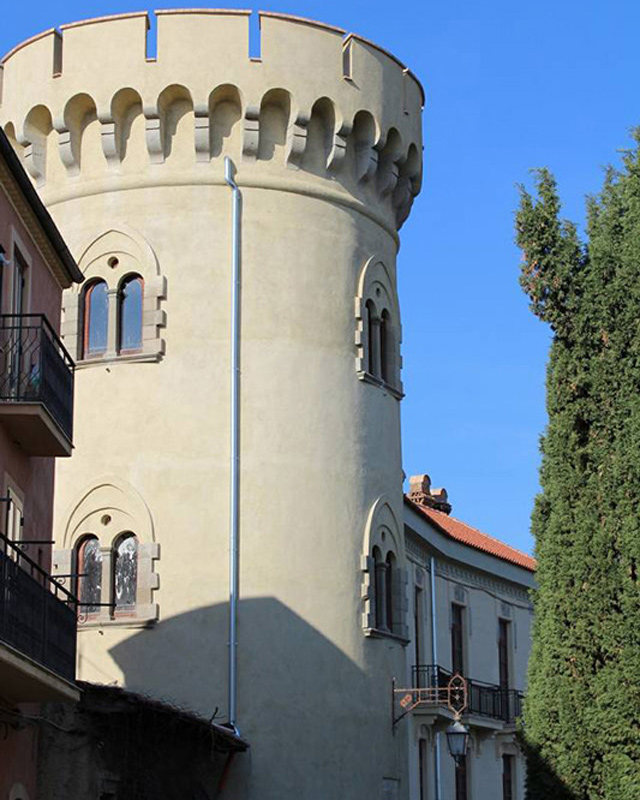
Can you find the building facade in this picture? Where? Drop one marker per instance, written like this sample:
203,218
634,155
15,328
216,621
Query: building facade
471,614
37,615
323,130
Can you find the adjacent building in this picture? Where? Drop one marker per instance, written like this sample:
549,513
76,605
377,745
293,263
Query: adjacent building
37,614
470,613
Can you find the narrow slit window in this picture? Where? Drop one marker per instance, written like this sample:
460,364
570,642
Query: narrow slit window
457,639
385,349
371,346
96,319
125,573
380,591
89,580
130,315
389,588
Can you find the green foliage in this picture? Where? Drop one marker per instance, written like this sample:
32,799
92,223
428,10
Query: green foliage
582,714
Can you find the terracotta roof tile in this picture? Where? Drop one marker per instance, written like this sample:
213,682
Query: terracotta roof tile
464,533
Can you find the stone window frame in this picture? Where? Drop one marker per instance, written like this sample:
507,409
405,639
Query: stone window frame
382,535
114,256
376,304
108,509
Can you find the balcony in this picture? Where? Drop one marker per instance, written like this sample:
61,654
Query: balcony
37,629
36,385
486,700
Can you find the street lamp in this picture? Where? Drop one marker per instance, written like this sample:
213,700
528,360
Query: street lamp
457,740
453,694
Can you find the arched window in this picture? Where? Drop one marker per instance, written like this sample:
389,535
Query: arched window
385,347
389,589
380,589
384,583
89,569
125,572
130,314
95,319
378,333
372,338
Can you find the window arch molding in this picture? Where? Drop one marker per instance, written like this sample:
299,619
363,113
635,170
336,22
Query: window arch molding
384,574
378,331
111,509
114,256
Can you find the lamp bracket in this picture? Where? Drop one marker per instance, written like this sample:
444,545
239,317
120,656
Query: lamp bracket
452,695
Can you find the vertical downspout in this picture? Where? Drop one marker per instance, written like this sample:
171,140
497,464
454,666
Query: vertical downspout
434,654
234,503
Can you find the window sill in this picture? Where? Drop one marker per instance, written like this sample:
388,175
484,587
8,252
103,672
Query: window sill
367,377
116,623
378,633
127,358
146,617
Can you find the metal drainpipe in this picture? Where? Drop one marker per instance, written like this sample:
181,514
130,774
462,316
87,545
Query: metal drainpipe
234,498
434,653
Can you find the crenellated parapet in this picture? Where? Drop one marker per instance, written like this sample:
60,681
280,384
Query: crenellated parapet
319,111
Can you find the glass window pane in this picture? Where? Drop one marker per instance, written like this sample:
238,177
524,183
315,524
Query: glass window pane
90,568
131,315
126,572
96,319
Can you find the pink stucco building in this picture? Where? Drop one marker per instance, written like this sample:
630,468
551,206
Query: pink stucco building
37,615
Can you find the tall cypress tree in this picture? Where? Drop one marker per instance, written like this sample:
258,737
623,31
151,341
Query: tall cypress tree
582,713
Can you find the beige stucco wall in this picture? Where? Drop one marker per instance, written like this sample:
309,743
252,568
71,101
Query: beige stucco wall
321,196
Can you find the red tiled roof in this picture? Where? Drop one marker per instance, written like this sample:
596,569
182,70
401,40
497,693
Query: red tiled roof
464,533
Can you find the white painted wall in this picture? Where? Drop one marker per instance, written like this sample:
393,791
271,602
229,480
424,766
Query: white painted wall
490,587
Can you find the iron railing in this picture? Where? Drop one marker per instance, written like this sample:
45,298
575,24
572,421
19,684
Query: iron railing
484,699
35,366
38,616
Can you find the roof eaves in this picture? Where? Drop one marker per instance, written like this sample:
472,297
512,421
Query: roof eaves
508,553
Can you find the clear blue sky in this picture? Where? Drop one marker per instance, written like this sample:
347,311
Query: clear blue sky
509,86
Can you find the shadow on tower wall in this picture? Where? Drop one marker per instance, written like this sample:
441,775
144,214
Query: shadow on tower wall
303,705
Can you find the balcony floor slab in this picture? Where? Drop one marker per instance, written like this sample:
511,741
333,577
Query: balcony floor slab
34,429
23,680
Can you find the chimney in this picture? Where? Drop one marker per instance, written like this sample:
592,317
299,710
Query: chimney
421,493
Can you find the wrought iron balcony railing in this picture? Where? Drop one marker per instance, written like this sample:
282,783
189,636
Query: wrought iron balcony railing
37,615
35,367
484,699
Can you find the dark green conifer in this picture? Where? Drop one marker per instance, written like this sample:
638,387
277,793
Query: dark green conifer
582,713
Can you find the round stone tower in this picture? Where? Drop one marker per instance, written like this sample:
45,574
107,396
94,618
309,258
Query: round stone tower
128,154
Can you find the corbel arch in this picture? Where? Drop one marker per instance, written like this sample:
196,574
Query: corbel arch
275,113
224,117
36,131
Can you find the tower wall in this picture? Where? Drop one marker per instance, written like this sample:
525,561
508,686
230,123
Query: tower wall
128,155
